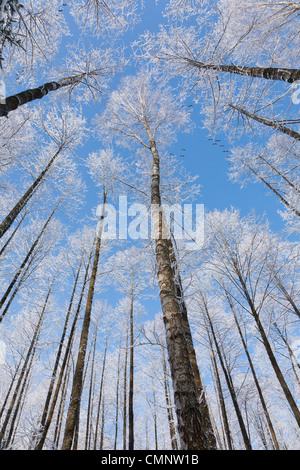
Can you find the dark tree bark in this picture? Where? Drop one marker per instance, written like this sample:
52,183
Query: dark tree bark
13,381
268,73
91,396
189,416
5,440
255,378
275,125
294,408
26,260
10,218
63,368
293,405
76,393
131,376
222,402
101,393
207,424
229,383
125,396
171,422
117,400
282,199
62,402
58,357
2,251
14,101
293,359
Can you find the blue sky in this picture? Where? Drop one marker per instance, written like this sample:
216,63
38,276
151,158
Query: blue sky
201,157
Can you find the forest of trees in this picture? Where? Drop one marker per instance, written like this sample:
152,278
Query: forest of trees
112,338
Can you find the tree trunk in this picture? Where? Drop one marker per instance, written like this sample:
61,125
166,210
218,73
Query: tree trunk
125,397
58,356
155,419
222,402
229,385
277,370
62,403
13,102
288,296
268,73
50,414
26,260
76,393
285,202
291,353
13,380
275,125
2,251
9,219
275,365
117,400
189,416
102,426
169,404
13,427
278,173
90,400
23,371
207,424
131,361
100,395
17,287
261,397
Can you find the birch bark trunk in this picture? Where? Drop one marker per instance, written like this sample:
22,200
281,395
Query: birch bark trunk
189,416
229,383
10,218
131,373
31,350
39,445
293,405
268,73
78,375
275,125
13,102
259,390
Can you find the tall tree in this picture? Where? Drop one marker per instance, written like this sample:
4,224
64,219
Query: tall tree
149,115
66,128
240,251
105,177
276,165
61,379
131,277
